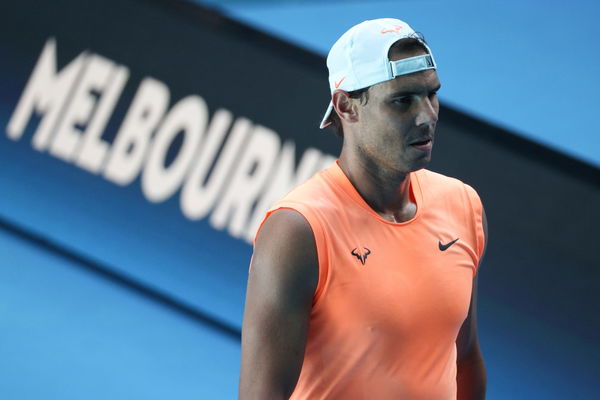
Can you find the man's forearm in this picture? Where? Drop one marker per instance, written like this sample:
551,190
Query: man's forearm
471,377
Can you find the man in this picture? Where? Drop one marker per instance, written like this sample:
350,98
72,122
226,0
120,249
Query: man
363,280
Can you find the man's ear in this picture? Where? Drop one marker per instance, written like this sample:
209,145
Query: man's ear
344,106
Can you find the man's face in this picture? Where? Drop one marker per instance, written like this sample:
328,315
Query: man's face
396,125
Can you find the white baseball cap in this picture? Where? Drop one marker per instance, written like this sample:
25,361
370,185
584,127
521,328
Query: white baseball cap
359,58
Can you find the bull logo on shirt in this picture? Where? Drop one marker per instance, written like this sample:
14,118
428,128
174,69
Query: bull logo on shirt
361,254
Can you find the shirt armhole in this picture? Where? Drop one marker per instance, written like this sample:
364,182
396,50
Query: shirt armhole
477,217
318,234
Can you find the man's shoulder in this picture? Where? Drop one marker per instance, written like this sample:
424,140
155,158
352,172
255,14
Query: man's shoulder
435,177
313,191
440,184
429,177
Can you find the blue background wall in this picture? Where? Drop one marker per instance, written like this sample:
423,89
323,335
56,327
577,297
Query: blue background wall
530,66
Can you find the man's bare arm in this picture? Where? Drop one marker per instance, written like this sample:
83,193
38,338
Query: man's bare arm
471,375
282,280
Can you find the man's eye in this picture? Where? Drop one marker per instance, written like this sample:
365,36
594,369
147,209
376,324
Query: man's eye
403,100
432,94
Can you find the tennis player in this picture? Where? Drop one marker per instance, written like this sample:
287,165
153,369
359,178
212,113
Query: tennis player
363,280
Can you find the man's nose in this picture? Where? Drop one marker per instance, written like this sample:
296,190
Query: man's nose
427,114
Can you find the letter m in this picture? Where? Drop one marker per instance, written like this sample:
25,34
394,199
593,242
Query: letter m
46,93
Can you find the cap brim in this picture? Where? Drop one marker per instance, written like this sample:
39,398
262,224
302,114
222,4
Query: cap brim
326,122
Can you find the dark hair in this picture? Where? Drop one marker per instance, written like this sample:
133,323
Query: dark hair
412,43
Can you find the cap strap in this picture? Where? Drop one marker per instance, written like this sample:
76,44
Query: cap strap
412,64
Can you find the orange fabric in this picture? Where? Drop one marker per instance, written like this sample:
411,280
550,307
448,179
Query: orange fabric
389,302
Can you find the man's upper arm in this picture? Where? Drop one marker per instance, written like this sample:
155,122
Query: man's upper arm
467,337
282,280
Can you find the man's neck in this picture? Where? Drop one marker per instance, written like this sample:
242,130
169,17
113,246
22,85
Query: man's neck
386,192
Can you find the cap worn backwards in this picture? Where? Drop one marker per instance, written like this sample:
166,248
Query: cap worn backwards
359,58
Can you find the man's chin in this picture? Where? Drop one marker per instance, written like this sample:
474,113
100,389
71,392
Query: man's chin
421,163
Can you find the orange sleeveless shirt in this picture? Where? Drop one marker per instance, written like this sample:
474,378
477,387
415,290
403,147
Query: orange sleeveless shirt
391,297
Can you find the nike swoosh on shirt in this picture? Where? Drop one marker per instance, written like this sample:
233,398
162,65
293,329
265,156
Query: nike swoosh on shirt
444,247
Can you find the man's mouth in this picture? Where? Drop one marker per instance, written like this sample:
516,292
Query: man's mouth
424,144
